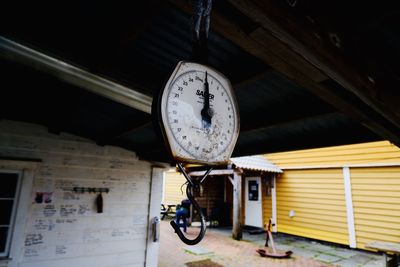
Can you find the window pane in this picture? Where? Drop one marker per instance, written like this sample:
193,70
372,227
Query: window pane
8,184
253,190
3,238
5,211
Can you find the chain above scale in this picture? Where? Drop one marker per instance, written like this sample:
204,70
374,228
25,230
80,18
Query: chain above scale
200,28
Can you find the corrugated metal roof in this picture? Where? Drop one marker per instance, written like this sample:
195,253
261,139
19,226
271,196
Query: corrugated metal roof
257,163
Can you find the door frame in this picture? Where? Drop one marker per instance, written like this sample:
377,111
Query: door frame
260,199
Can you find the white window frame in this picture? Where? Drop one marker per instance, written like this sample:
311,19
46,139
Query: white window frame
27,170
6,252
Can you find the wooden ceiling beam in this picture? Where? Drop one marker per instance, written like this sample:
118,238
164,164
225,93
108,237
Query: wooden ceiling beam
267,14
294,64
252,79
272,55
264,124
289,123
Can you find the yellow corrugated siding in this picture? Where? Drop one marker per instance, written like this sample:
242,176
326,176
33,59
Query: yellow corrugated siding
376,203
173,182
267,206
317,198
374,152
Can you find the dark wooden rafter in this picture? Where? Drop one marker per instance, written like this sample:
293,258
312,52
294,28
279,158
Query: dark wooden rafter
130,129
265,44
277,26
282,124
284,112
251,80
120,32
234,32
126,129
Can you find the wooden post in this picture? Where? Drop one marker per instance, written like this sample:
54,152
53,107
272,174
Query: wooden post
237,206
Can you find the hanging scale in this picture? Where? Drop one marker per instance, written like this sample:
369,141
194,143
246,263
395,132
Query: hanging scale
198,113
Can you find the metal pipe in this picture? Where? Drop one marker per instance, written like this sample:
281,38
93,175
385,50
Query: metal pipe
131,97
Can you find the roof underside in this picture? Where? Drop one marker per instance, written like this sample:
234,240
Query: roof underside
255,163
285,102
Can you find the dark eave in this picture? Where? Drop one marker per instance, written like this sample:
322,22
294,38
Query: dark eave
95,75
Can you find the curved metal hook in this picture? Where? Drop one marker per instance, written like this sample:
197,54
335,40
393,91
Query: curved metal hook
203,227
189,192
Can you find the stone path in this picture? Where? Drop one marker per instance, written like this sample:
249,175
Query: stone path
219,248
323,252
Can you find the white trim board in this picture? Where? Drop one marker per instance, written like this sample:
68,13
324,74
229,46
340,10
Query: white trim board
339,166
27,170
273,195
15,200
349,207
154,212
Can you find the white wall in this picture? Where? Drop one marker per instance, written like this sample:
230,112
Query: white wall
68,231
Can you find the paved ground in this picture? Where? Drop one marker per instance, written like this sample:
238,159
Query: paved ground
219,248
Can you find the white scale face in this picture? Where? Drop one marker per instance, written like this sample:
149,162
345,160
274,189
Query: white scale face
199,131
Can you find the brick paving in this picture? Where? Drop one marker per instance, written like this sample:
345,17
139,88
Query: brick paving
225,251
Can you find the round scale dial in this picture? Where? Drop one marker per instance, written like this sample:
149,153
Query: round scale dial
199,115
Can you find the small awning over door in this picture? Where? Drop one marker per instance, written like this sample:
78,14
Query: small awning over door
256,163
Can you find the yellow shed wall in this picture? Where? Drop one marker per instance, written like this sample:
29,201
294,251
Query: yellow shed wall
381,152
172,184
266,204
312,186
316,194
376,204
317,198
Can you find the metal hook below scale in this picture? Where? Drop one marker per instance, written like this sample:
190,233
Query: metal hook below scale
189,192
